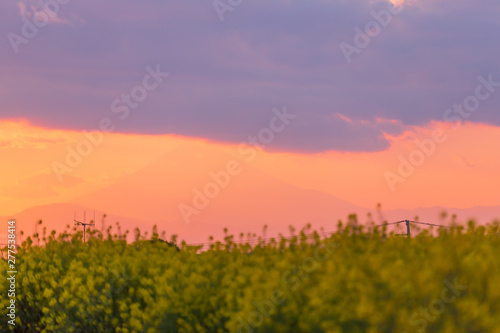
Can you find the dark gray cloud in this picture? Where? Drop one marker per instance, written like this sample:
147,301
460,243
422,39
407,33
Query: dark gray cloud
226,77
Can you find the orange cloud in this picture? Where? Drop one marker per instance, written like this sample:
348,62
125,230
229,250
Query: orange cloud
14,134
461,171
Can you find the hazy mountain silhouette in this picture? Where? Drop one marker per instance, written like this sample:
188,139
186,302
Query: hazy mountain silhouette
252,199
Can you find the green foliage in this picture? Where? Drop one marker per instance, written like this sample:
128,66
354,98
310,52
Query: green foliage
352,281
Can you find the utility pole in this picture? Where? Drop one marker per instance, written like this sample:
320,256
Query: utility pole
407,228
84,224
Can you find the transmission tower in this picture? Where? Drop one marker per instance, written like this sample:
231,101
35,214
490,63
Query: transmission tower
84,223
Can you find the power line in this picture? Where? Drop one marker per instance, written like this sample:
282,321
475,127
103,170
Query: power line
265,240
384,224
433,225
323,233
279,239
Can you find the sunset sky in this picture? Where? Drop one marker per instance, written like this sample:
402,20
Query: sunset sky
364,100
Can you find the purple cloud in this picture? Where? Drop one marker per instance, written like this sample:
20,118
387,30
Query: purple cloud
226,77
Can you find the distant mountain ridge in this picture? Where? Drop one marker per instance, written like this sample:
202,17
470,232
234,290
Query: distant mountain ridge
57,216
250,200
